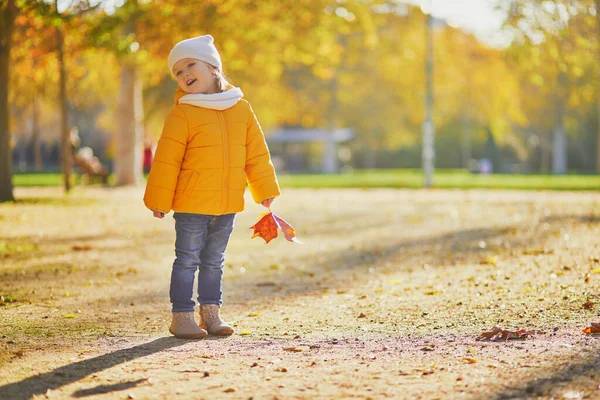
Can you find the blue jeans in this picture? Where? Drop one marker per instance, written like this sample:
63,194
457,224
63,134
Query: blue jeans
200,242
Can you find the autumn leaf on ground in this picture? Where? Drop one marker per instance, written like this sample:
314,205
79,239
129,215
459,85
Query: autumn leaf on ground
588,305
498,333
81,247
293,349
267,227
593,329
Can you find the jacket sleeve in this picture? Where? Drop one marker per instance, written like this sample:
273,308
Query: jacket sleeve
160,188
260,173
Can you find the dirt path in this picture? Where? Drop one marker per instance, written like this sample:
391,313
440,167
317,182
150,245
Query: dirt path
385,299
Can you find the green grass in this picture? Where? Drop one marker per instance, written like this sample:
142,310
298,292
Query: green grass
47,180
28,180
443,179
399,178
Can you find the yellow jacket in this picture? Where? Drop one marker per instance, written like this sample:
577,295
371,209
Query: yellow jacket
204,159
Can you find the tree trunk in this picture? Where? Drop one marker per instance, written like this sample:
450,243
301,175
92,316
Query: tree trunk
466,147
8,12
37,148
428,128
66,156
598,83
370,159
559,144
128,160
545,161
130,116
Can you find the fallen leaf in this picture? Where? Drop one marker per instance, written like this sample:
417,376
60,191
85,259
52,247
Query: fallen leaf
245,332
229,390
266,284
498,333
362,315
81,247
594,328
267,227
19,353
469,360
70,315
254,314
595,270
294,349
588,305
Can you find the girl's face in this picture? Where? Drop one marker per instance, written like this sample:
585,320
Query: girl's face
194,76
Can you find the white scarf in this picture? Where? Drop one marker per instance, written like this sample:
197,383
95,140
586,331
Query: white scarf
215,101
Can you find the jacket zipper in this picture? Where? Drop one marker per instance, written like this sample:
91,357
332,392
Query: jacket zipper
225,140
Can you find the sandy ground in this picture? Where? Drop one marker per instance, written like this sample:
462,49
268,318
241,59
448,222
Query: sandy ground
385,299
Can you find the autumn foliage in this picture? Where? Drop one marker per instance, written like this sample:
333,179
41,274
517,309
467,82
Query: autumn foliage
268,225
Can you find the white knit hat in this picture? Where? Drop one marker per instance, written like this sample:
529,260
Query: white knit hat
201,48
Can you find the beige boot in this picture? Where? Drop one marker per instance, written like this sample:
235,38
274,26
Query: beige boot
211,320
184,326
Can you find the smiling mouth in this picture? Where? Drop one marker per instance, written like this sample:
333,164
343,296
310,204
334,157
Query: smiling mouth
190,82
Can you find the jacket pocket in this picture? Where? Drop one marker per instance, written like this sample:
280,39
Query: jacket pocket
191,183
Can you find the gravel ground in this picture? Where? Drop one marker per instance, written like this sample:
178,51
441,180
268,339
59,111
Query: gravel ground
386,298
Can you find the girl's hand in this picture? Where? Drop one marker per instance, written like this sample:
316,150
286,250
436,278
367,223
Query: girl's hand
267,203
158,214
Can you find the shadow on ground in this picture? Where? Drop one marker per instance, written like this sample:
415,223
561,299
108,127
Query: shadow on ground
578,376
62,376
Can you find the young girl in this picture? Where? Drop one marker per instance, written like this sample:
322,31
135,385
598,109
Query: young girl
211,146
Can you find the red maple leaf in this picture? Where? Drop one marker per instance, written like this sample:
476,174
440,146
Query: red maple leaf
268,225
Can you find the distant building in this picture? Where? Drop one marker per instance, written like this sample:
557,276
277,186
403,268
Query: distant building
307,150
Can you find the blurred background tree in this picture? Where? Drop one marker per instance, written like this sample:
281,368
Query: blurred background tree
554,54
531,105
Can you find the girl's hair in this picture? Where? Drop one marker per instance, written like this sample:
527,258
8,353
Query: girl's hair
220,78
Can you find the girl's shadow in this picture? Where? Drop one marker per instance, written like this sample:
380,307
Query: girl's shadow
58,377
